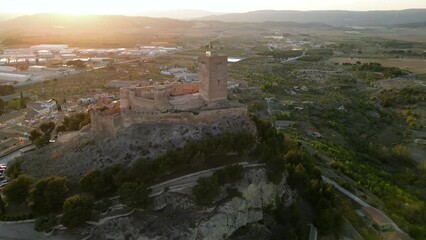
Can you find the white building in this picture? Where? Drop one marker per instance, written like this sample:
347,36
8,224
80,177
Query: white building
50,47
15,77
7,69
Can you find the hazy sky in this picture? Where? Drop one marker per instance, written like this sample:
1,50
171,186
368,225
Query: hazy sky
135,6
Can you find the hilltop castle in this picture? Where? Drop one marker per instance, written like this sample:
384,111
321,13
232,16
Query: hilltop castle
198,103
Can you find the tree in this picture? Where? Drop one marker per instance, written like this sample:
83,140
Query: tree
45,224
48,194
47,127
77,210
17,191
93,182
13,170
206,190
22,100
2,207
135,195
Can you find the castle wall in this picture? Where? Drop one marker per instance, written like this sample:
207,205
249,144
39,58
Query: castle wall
105,125
130,117
183,89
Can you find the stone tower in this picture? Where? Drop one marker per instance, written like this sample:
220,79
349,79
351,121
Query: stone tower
212,76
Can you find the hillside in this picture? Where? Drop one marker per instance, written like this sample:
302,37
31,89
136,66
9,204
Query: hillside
337,18
411,25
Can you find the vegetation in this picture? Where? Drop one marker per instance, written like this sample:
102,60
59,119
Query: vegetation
48,195
17,191
74,122
46,223
77,210
207,188
41,136
6,90
388,72
135,195
2,206
13,170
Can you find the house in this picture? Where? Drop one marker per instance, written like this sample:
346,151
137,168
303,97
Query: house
40,108
86,100
377,219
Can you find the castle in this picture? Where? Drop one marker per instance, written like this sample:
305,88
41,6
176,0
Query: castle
197,103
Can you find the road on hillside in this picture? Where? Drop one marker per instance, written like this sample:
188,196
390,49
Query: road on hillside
360,202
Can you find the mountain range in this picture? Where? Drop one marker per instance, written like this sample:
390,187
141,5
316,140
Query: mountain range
335,18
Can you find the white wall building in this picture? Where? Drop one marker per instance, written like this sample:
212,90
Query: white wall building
50,47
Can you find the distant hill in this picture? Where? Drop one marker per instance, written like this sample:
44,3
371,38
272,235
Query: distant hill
179,14
89,23
411,25
336,18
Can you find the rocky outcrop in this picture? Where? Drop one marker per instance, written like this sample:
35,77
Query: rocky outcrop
84,153
179,218
257,192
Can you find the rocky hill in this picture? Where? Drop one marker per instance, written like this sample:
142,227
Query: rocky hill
84,152
189,221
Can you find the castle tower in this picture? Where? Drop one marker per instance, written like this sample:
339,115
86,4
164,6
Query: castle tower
212,76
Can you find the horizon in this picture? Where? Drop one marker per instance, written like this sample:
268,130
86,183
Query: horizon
127,7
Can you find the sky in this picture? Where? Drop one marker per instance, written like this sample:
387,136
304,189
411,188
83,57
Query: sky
140,6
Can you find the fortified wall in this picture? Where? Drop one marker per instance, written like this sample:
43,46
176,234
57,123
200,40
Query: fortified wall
198,103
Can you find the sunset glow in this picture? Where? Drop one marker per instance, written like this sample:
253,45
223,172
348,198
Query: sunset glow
135,6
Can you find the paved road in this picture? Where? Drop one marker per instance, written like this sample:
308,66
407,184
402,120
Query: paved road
14,154
190,180
360,202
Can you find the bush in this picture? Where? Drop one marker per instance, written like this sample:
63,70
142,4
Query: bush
14,170
45,224
206,190
48,194
229,174
93,182
2,207
17,191
135,195
77,210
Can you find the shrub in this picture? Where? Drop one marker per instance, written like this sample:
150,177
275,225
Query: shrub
45,224
206,190
77,210
135,195
48,194
17,191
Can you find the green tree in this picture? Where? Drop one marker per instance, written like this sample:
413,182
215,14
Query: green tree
135,195
48,194
17,191
77,210
206,190
22,100
93,182
47,127
45,224
2,207
13,170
